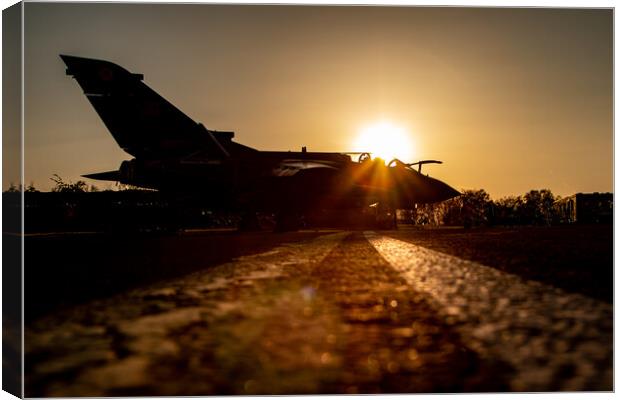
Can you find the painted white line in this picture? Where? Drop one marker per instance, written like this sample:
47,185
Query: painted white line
554,340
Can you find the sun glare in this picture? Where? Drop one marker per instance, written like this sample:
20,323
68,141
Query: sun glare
385,140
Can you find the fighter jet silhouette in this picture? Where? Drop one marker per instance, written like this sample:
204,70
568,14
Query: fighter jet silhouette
178,156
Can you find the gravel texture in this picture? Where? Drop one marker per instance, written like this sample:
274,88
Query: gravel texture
576,258
554,340
328,314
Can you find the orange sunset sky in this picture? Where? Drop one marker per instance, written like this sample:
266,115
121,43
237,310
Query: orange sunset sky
510,99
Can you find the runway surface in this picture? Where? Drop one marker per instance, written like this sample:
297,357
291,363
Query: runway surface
332,312
542,332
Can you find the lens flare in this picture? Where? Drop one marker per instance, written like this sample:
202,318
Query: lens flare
385,140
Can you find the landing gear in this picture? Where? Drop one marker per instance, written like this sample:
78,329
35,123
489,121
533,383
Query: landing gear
384,217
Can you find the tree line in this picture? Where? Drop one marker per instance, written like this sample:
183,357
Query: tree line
62,186
475,208
471,208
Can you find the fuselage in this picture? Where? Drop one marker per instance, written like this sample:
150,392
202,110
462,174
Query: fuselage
179,156
274,180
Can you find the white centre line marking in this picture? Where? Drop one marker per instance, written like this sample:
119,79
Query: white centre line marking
554,340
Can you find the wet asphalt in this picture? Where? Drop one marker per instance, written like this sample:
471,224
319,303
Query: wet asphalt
343,312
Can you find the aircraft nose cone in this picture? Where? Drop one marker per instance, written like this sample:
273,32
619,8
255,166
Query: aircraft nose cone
414,187
432,191
446,192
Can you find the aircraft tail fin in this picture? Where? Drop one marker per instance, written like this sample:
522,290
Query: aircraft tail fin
141,121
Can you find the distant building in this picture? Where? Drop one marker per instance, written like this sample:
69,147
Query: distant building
586,208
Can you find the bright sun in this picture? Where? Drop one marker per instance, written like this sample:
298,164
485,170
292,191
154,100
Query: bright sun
385,140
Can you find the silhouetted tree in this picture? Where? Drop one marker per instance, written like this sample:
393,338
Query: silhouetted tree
421,214
452,212
471,208
12,188
475,206
31,188
508,210
538,206
67,187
